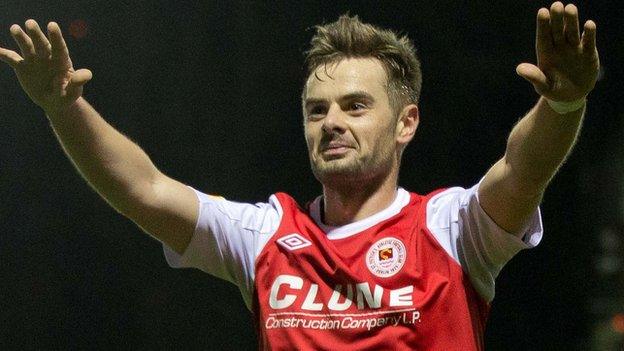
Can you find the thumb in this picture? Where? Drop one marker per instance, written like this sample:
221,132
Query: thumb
534,75
80,78
76,81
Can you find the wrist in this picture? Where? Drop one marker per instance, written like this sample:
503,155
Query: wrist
563,107
55,112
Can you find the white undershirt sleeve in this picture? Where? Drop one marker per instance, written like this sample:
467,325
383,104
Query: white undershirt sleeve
473,239
227,239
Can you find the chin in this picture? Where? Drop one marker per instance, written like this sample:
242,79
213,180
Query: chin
339,171
349,171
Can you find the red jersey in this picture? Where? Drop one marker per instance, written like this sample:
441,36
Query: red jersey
416,276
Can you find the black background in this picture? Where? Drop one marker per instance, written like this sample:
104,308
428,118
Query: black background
211,91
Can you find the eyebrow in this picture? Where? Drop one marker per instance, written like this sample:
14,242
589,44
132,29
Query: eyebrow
355,95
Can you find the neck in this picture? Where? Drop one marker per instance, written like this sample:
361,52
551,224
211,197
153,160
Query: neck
352,201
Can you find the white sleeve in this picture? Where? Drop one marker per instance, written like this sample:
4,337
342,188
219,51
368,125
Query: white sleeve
471,237
227,239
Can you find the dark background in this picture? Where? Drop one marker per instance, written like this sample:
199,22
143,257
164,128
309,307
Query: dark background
211,91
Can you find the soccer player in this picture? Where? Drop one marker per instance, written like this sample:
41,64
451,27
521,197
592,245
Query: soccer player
366,265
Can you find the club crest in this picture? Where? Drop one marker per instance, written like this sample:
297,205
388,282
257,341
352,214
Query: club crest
386,257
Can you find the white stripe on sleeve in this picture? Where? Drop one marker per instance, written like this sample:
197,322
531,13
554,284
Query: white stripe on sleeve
471,237
228,237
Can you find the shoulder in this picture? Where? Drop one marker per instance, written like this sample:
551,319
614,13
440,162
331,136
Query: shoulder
438,204
261,217
441,203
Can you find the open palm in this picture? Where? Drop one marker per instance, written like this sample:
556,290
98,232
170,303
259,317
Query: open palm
567,63
44,68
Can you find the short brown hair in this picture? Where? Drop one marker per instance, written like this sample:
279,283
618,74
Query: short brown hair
348,37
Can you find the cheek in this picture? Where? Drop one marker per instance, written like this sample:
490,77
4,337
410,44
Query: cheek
382,138
309,134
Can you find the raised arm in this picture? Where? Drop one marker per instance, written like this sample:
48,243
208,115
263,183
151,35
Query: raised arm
566,71
112,164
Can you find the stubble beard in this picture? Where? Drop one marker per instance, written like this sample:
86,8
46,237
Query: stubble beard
352,171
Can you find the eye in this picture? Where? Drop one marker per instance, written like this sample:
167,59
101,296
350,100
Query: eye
357,106
317,111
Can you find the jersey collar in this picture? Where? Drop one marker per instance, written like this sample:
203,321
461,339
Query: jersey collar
402,198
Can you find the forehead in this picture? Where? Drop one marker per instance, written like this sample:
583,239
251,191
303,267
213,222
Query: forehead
347,75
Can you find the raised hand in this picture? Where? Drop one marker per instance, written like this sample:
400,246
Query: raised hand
567,63
44,68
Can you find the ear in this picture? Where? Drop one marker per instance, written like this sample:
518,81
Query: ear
407,124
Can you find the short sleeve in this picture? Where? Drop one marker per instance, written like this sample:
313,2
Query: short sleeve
461,226
228,236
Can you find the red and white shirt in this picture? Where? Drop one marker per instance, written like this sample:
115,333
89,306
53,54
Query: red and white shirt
418,275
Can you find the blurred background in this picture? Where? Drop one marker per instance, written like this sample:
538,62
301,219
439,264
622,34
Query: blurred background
211,91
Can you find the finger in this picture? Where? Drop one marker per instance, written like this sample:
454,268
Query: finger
77,81
572,25
41,43
556,23
534,75
81,77
10,57
543,34
23,41
59,48
589,37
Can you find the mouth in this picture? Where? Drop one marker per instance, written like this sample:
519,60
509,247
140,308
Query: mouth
335,149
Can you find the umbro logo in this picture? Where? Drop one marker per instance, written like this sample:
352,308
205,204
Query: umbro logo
293,241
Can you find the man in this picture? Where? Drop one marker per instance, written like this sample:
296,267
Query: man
367,265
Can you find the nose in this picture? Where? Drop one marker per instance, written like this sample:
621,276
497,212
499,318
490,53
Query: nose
334,121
